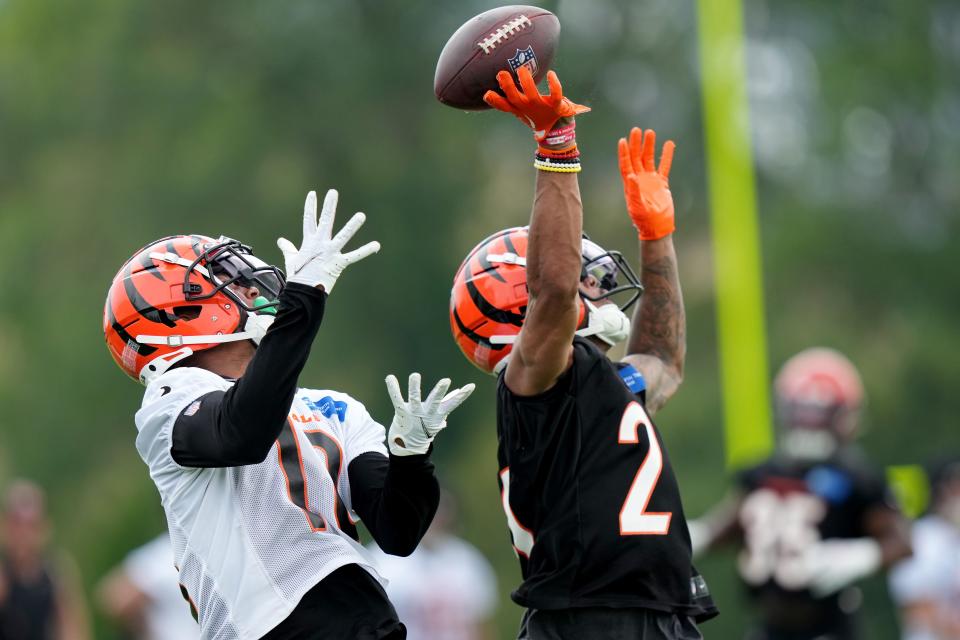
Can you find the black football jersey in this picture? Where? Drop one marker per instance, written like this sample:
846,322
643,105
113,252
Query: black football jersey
591,501
787,507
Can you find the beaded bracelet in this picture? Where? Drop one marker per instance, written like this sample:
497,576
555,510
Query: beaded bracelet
567,169
569,160
557,165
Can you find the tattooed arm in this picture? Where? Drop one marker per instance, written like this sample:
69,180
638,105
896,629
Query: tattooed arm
657,343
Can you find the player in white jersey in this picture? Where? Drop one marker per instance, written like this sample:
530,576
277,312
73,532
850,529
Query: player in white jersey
926,587
141,595
263,481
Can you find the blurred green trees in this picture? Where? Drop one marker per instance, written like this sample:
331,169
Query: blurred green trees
123,120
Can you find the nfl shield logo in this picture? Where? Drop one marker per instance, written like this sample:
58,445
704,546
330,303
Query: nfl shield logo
524,58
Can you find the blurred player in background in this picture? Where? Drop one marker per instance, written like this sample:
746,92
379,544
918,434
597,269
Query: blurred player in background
143,595
261,479
815,517
591,500
446,589
926,587
40,597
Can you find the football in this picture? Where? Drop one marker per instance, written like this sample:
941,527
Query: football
503,38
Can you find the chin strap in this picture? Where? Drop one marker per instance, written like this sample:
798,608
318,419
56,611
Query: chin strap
254,329
607,322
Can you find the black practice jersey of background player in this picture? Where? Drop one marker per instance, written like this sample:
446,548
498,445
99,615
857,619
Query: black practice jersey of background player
789,506
576,469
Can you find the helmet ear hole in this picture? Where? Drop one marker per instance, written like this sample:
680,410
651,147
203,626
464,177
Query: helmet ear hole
188,312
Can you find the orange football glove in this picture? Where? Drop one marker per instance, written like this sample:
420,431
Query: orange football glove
537,111
645,187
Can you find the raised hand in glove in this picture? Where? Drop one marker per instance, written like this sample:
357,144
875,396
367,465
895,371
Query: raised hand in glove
319,260
537,111
646,187
416,423
834,564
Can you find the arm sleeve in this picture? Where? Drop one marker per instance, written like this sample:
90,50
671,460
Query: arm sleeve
396,497
239,426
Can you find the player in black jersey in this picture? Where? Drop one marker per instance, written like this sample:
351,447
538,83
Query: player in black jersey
814,517
591,500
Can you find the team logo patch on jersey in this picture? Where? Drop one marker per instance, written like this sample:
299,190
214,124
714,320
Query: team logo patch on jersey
524,58
328,407
192,409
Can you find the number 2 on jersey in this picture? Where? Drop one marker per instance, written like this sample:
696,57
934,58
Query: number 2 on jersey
522,537
635,520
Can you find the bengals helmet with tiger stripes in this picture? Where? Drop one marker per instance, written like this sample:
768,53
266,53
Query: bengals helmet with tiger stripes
174,297
488,301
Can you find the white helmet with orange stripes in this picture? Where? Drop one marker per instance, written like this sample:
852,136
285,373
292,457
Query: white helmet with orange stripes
819,394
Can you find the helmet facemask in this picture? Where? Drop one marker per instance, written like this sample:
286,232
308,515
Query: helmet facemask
607,321
230,263
218,275
609,268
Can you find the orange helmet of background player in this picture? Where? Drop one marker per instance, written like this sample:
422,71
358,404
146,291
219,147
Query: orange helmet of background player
819,388
174,297
488,301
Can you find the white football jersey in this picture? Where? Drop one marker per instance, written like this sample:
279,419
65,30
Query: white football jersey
930,577
250,541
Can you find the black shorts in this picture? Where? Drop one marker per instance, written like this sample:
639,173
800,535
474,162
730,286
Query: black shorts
603,623
799,619
349,604
842,632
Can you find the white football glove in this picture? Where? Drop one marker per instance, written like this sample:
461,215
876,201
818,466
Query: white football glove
319,260
416,423
836,563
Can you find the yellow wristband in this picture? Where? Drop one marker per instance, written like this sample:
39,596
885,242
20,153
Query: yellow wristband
557,167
